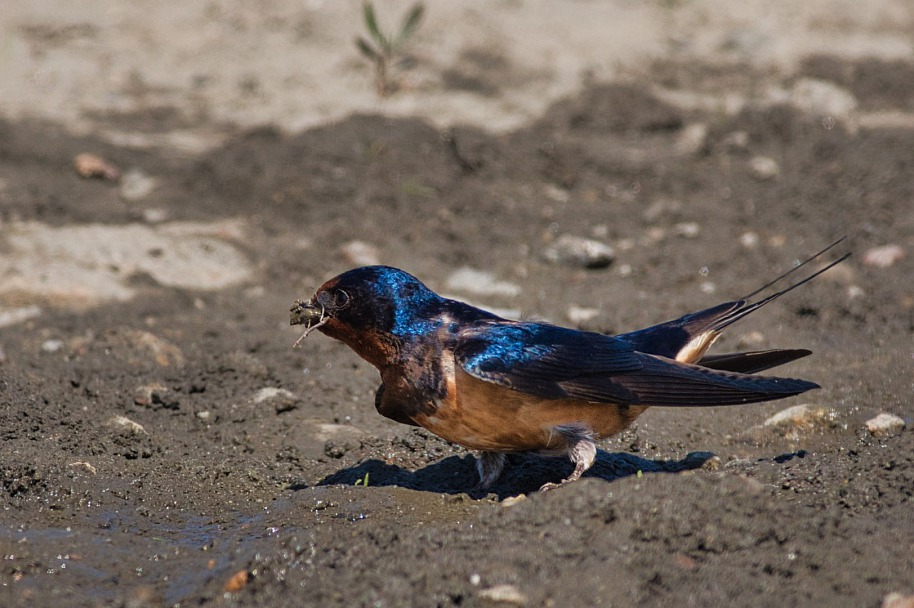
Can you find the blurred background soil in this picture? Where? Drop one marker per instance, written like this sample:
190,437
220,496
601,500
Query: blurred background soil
173,176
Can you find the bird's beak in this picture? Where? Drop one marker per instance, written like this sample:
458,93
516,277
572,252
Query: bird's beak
309,314
305,313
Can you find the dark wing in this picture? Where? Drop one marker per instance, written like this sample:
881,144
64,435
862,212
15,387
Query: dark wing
554,362
666,382
546,360
753,361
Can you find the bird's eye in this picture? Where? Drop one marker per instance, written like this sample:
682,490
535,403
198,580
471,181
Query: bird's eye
340,299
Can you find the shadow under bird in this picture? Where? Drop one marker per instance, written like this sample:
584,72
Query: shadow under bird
498,386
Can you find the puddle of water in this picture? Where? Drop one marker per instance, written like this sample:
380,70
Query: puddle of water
113,554
114,550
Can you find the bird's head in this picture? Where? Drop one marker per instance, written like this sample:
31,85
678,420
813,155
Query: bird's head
369,309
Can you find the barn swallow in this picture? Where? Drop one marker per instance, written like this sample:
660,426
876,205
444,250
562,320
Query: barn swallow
499,386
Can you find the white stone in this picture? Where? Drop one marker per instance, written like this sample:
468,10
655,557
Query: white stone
507,594
51,346
360,253
579,251
480,282
692,138
764,168
822,98
749,240
883,256
86,264
136,185
689,230
123,422
805,416
12,316
885,425
581,314
270,392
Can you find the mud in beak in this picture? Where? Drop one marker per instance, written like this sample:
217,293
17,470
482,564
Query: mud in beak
309,314
305,313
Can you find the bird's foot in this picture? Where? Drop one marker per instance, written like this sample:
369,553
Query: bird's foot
581,450
579,469
489,465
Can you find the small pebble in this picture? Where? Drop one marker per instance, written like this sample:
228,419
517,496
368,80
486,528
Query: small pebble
86,466
360,253
513,500
93,166
764,168
692,138
579,251
51,346
898,600
136,185
806,416
164,352
282,399
884,256
508,594
793,423
479,282
154,215
559,195
885,425
823,98
689,230
12,316
155,395
122,422
580,314
270,392
749,240
237,582
854,292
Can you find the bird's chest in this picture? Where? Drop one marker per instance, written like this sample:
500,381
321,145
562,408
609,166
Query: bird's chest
485,416
415,384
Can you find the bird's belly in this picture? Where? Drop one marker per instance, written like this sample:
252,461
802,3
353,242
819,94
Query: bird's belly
484,416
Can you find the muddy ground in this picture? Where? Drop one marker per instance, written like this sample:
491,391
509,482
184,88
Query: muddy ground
147,459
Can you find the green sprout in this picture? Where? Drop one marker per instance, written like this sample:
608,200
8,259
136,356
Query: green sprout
382,49
363,481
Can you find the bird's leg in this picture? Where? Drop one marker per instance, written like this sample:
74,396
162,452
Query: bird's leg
490,465
581,450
